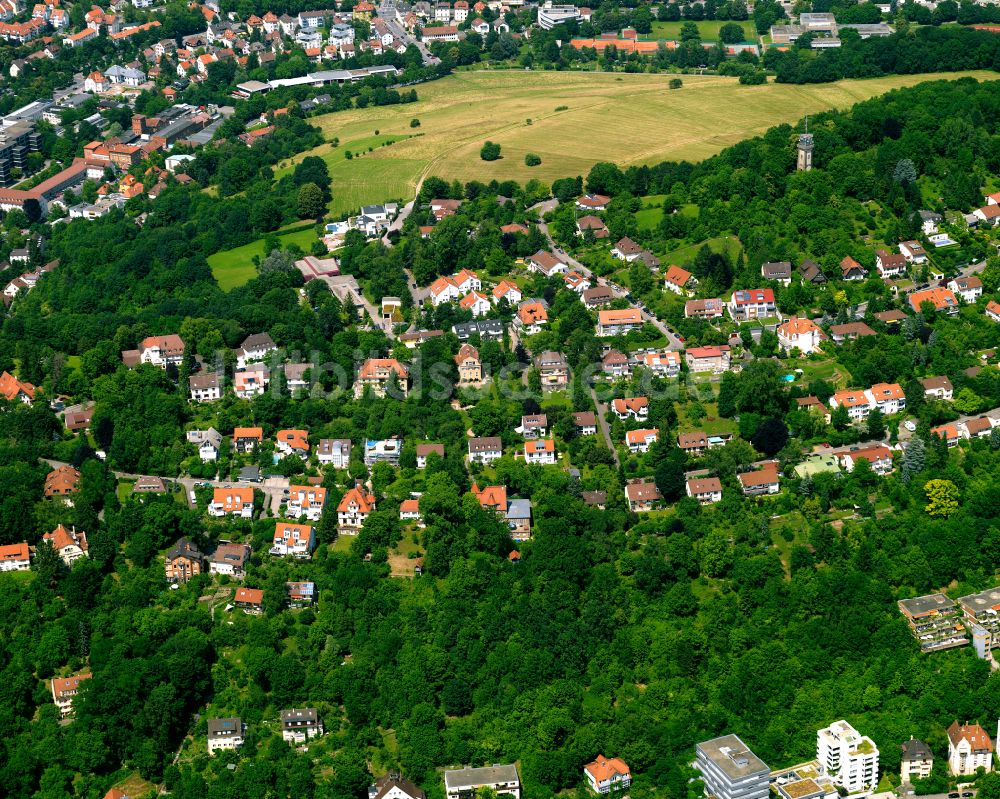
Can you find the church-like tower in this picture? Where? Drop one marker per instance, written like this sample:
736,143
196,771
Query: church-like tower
805,148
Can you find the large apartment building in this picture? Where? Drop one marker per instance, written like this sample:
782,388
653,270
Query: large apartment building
848,757
730,770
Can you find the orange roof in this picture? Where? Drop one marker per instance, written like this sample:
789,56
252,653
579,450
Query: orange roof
252,596
629,404
470,299
62,480
626,315
946,431
359,497
797,326
302,493
850,398
503,287
887,391
376,368
295,439
940,298
532,312
603,768
640,436
285,532
233,498
491,496
62,538
993,307
249,432
14,552
410,506
114,793
11,387
541,445
63,685
677,276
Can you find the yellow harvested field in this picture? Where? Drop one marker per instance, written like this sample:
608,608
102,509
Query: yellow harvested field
626,118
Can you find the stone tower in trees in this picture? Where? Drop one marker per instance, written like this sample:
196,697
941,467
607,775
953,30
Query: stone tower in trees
805,148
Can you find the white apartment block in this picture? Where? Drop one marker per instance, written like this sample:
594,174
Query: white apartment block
848,757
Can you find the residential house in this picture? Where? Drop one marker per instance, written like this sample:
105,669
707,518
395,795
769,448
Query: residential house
916,762
229,559
616,323
576,282
354,508
12,389
988,214
335,452
70,545
205,387
811,272
300,594
593,202
393,786
534,426
642,495
665,363
379,374
385,450
425,450
777,271
765,480
887,397
850,331
801,334
225,733
847,757
949,432
993,310
641,440
475,303
941,298
708,359
554,370
15,557
251,381
878,456
593,225
249,600
65,689
541,452
183,561
626,250
980,427
586,423
485,450
297,540
546,263
298,726
890,265
938,388
857,402
913,252
969,745
968,288
518,518
615,364
531,317
597,297
491,497
595,499
812,404
296,375
707,490
852,270
63,481
470,367
713,308
161,351
247,439
631,407
232,502
678,281
929,222
752,304
292,442
305,501
693,443
605,775
890,318
209,443
409,510
505,290
465,783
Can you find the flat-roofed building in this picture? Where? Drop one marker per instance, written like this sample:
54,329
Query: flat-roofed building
935,621
730,770
464,783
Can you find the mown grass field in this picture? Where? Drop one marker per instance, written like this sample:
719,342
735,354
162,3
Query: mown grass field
234,268
626,118
709,30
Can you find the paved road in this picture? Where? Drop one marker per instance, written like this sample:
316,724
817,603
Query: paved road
543,208
602,422
390,14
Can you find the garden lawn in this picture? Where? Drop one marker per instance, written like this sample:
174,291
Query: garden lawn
708,114
686,254
234,268
709,30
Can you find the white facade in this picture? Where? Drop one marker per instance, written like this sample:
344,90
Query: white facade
848,757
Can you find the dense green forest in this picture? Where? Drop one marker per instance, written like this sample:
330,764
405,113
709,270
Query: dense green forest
633,636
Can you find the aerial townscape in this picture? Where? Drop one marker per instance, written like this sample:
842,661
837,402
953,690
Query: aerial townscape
500,398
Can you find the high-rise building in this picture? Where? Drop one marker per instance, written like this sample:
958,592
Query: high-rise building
848,757
730,770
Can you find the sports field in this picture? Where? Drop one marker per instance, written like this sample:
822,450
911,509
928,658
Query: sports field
626,118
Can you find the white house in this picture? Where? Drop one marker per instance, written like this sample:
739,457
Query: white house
607,774
800,333
849,758
969,748
335,452
225,734
969,288
297,540
541,452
